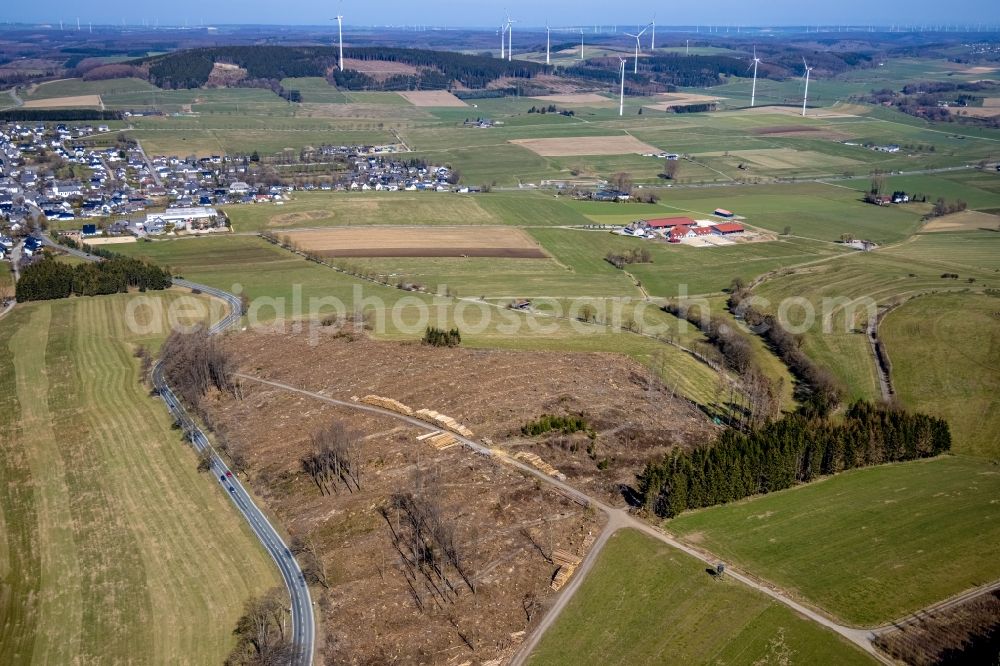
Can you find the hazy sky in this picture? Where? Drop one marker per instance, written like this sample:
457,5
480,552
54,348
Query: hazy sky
527,12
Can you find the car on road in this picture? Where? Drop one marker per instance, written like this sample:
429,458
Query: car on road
229,474
231,489
222,477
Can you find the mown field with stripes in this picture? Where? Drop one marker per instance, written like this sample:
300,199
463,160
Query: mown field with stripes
113,549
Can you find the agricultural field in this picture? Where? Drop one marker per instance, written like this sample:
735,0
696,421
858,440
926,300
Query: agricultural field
591,145
954,372
95,568
315,90
286,288
968,220
498,242
321,209
868,545
644,602
76,102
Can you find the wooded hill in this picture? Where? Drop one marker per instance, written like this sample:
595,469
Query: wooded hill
438,69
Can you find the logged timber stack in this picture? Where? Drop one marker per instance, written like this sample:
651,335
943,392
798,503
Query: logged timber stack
443,421
539,464
387,403
439,439
568,562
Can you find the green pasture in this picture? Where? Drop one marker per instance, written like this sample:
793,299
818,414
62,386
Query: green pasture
954,371
645,602
868,545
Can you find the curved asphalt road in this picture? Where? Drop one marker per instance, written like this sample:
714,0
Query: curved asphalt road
303,620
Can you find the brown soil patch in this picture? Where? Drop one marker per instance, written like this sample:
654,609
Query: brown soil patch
794,131
978,112
991,102
379,69
979,70
665,101
78,101
586,145
967,220
418,242
496,392
378,607
581,99
289,219
432,98
223,74
797,111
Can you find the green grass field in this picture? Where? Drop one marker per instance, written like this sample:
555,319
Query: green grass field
829,302
954,371
115,549
644,603
868,545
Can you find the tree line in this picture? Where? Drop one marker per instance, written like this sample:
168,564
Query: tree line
58,115
260,632
818,391
49,279
795,449
196,362
634,256
757,399
191,68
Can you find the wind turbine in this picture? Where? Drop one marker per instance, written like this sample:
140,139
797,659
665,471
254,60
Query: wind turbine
503,41
621,98
581,43
805,98
652,41
548,43
510,38
753,91
340,40
637,36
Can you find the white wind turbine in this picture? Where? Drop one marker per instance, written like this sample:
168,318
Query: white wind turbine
652,41
548,43
510,38
340,40
503,41
753,91
805,97
581,43
637,46
621,98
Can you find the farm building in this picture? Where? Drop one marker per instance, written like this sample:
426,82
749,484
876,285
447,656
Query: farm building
182,218
667,222
727,228
722,212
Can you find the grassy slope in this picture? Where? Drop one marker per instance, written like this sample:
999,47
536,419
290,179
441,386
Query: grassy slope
954,372
868,545
645,602
880,276
114,547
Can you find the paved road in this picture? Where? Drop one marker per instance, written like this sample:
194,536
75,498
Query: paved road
617,519
303,619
